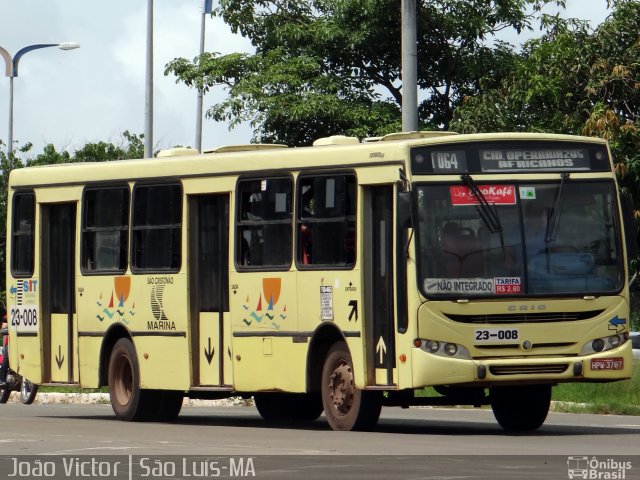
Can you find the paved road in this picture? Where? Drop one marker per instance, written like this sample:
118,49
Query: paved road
73,430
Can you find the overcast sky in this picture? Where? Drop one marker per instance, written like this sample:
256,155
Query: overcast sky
96,92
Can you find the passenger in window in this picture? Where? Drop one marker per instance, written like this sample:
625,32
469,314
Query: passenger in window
306,242
245,253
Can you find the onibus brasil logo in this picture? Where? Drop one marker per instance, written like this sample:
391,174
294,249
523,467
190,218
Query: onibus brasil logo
596,469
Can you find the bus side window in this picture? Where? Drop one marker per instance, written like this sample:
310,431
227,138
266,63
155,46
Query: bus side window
22,234
326,220
105,229
264,223
157,228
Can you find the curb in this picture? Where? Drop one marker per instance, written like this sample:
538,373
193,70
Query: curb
49,398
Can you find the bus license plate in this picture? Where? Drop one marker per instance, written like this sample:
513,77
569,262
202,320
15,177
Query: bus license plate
615,363
496,335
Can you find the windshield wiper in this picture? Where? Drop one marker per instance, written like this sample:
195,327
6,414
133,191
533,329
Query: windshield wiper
553,223
487,212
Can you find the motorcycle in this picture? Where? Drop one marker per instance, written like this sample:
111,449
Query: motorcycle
13,381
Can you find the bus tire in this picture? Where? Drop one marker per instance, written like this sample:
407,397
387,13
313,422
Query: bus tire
282,406
345,406
304,407
521,408
128,400
168,405
269,407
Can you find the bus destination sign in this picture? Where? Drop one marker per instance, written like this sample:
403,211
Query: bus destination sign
510,156
511,159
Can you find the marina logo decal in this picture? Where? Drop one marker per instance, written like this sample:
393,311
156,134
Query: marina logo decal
267,311
117,307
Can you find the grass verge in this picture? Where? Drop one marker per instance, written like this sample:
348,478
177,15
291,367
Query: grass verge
621,398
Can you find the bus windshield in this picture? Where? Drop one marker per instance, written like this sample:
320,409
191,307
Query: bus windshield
553,238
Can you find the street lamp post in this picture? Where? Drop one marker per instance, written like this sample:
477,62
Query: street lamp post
409,67
11,71
148,88
206,10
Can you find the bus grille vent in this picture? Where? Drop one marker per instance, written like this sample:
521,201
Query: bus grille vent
524,317
528,369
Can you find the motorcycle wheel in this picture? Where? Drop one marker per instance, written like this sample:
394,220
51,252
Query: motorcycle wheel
5,393
28,392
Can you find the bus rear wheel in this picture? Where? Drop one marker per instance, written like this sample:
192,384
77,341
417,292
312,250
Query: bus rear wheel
127,399
521,408
345,406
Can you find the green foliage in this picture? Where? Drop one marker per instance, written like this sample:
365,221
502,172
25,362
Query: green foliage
325,67
131,146
621,398
572,80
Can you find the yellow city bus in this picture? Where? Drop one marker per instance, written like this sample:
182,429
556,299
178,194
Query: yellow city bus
341,277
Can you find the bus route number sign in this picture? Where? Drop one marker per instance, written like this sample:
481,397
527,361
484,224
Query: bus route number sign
24,318
452,161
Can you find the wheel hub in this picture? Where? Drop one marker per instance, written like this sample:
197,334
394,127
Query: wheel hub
341,388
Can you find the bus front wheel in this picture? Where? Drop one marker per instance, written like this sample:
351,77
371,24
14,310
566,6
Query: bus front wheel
520,408
345,406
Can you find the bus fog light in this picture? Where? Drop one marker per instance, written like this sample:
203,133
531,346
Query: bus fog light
450,349
433,346
577,369
597,345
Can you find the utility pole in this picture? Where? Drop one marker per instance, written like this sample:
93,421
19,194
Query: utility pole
409,67
206,9
148,113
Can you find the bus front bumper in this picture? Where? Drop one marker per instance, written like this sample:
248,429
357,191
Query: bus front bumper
611,365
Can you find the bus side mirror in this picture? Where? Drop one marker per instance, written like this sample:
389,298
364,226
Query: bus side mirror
404,210
630,226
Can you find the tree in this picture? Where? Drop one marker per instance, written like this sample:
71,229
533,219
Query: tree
130,146
572,80
326,67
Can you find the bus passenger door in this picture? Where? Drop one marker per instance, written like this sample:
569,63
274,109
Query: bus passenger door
58,251
379,293
209,289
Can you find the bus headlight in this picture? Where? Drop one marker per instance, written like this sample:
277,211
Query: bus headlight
603,344
443,349
433,346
